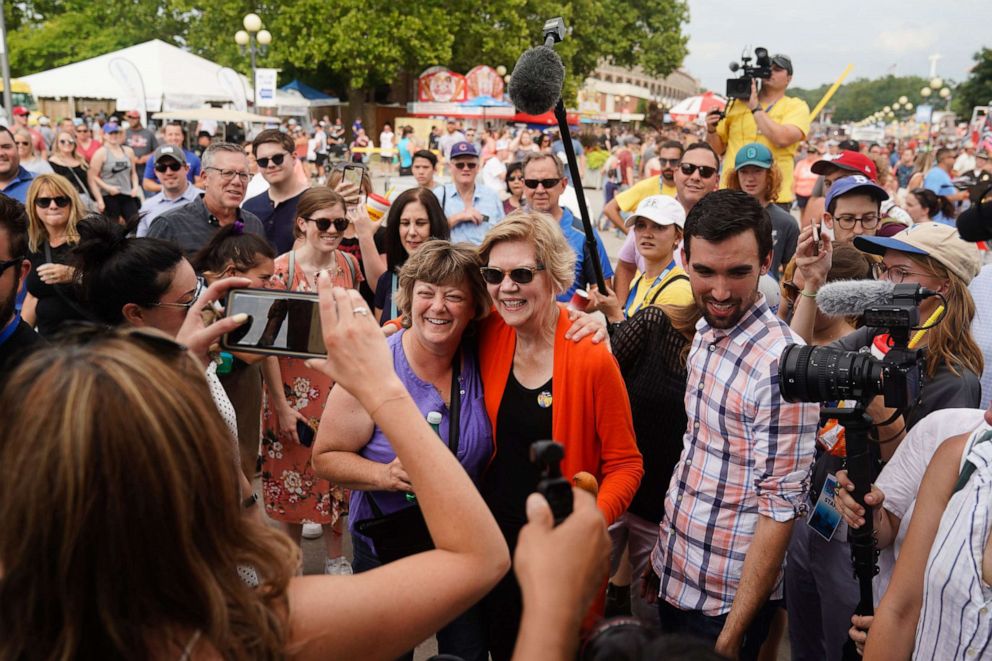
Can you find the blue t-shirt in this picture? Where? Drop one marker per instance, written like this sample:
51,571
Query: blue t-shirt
558,149
577,238
191,159
406,156
485,200
18,187
938,181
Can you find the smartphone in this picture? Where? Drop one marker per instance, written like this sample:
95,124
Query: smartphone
280,323
305,433
816,236
485,219
353,174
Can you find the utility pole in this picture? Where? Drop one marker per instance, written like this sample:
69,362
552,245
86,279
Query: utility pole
5,65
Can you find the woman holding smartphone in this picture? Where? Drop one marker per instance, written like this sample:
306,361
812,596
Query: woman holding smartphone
296,394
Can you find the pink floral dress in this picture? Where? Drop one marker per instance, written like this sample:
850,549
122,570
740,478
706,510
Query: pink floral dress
290,489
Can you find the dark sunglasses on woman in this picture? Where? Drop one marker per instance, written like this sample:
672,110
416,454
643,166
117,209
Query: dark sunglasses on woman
170,165
705,171
60,201
521,275
324,224
276,159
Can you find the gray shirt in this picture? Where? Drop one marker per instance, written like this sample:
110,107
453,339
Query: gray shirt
191,226
158,204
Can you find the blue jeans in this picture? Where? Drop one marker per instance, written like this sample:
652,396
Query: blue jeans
463,637
708,627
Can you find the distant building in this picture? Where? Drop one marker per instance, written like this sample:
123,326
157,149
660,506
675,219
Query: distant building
615,93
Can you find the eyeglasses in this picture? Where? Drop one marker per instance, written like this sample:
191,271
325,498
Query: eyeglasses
324,224
61,201
895,274
10,262
705,171
276,159
847,221
188,304
547,183
227,175
669,161
521,275
465,165
171,165
66,142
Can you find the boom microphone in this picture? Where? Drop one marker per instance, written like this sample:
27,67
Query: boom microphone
537,80
853,297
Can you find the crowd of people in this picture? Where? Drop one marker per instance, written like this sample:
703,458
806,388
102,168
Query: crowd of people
174,480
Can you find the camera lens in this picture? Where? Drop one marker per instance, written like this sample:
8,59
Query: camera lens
825,374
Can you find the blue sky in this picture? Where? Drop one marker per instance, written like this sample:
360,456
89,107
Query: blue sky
877,36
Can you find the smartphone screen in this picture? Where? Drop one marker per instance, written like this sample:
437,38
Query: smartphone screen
353,175
279,323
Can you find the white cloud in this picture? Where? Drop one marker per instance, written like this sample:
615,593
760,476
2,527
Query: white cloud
906,40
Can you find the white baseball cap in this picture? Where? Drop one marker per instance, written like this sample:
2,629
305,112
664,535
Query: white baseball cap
659,209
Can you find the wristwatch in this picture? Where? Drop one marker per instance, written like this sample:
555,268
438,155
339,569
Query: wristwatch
756,109
251,500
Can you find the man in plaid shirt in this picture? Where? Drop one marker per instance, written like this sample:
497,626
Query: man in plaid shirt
742,478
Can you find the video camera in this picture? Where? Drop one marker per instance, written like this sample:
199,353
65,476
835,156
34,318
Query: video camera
826,374
740,88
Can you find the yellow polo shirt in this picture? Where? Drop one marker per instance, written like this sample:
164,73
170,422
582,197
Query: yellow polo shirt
738,128
630,198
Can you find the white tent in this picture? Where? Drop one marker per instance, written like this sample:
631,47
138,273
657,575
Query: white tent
173,79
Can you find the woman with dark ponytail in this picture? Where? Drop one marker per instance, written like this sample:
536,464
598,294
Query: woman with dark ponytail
924,206
234,252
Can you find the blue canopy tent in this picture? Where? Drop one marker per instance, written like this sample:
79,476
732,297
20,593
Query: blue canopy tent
484,102
314,96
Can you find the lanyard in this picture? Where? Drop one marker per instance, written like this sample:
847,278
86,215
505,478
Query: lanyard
10,328
628,312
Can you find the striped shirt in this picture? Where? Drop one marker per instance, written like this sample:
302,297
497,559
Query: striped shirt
747,452
955,620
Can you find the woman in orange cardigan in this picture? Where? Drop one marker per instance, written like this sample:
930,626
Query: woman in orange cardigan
538,385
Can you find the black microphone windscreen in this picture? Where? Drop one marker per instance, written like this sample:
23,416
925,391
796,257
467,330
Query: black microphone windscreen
975,223
853,297
536,81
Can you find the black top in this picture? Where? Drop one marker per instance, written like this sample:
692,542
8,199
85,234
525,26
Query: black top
16,348
76,176
56,303
511,476
649,351
384,297
350,246
785,236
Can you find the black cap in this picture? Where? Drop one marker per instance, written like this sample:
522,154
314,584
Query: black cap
784,61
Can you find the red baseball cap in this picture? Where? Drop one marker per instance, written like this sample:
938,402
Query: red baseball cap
21,110
848,160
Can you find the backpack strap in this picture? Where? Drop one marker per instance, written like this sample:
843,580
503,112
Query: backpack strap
968,469
680,276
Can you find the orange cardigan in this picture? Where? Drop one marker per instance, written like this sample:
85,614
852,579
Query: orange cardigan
590,410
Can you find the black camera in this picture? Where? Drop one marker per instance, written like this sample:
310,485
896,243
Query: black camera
547,456
826,374
740,88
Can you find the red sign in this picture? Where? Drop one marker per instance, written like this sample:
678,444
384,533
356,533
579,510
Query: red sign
441,85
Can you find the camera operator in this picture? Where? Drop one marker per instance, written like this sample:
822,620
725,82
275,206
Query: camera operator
770,117
933,256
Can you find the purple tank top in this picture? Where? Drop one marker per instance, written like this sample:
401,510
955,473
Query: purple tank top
475,443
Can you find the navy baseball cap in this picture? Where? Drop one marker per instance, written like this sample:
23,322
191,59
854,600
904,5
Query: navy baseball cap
753,153
463,148
855,182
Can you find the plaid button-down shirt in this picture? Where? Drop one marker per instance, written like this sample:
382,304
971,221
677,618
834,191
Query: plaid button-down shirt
747,452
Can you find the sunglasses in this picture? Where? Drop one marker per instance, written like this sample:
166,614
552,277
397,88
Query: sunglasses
465,165
10,262
669,161
324,224
60,201
171,165
276,160
705,171
66,142
22,144
200,286
520,275
547,183
515,178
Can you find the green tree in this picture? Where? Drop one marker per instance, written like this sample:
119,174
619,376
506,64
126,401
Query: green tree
861,97
976,90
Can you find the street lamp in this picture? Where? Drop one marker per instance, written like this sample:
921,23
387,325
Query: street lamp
903,100
253,39
501,70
